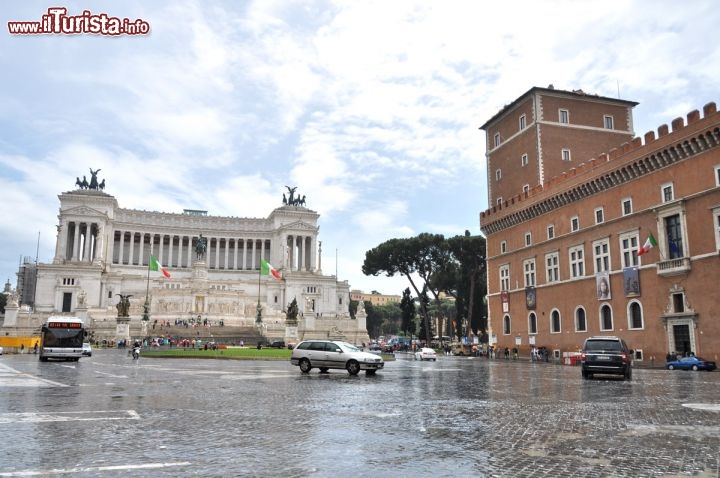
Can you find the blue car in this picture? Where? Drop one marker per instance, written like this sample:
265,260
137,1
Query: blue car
691,363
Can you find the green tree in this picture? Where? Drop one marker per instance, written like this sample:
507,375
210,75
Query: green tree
468,254
409,311
417,258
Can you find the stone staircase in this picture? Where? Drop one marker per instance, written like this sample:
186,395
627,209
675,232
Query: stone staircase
220,334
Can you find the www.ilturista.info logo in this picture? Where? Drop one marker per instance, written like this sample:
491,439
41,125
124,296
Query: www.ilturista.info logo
58,22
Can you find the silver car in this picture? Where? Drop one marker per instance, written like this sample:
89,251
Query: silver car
327,354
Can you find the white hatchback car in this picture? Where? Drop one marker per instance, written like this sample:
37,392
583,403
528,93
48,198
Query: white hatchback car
327,354
426,353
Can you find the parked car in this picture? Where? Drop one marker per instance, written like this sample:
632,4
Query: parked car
87,350
426,353
691,363
606,355
277,344
327,354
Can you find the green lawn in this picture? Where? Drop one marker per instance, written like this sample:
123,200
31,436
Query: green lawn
238,353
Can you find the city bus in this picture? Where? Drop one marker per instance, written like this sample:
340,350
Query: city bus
62,338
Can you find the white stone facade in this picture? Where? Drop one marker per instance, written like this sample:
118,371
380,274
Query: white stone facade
103,250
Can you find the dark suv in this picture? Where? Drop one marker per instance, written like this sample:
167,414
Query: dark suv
606,355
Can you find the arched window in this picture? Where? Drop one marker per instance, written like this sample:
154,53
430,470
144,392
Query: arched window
635,316
606,320
506,325
580,321
532,323
555,322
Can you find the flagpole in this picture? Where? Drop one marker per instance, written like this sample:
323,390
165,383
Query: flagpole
146,307
258,310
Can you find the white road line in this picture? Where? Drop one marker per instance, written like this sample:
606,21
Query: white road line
91,469
110,374
96,415
15,378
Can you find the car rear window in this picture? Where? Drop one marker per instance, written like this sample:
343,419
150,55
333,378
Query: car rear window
603,345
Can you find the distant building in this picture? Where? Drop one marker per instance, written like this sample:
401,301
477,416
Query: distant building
375,298
574,196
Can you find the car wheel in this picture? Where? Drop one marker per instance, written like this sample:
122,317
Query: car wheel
305,366
370,372
585,375
695,368
353,367
434,359
671,367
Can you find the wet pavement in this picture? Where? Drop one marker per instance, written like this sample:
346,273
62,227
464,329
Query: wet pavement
111,416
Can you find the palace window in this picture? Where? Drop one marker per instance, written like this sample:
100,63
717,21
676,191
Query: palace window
674,232
555,322
667,192
565,154
628,249
498,174
528,238
599,215
574,223
552,267
506,325
550,231
529,268
608,122
524,160
532,323
601,255
606,320
503,247
577,262
580,320
626,206
497,139
505,277
522,122
635,316
564,116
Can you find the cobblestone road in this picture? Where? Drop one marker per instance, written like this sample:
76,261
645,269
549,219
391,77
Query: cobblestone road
110,416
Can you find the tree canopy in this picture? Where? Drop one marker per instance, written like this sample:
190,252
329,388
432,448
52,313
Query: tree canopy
435,265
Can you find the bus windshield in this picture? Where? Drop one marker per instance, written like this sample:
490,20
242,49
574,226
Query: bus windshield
63,337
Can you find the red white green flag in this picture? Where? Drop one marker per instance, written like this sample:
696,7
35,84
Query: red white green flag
649,244
156,266
267,269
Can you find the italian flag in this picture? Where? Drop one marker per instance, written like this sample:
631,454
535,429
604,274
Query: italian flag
267,269
156,266
649,244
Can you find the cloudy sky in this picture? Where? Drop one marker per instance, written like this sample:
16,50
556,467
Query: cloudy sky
371,109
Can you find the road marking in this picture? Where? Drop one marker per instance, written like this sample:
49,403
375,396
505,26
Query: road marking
110,374
9,377
37,417
92,469
713,407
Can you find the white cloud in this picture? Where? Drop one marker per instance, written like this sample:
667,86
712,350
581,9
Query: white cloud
371,108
